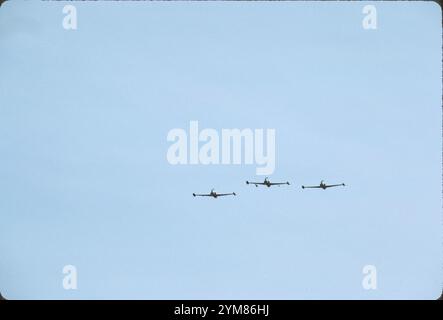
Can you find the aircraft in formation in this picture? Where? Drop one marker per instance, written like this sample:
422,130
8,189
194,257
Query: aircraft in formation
214,194
268,184
324,186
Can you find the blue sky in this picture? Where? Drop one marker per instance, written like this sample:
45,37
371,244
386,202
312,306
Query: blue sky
84,116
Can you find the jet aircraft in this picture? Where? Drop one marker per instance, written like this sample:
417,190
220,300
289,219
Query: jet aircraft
214,194
267,183
324,186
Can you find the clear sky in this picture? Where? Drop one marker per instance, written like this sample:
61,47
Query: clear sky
84,180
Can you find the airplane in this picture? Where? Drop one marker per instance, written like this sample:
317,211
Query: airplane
324,186
267,183
214,194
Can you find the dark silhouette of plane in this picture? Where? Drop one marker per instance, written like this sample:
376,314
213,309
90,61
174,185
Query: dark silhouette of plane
267,183
324,186
214,194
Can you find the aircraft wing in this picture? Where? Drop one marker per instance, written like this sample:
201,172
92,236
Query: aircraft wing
225,194
249,182
201,195
333,185
304,187
277,183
